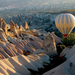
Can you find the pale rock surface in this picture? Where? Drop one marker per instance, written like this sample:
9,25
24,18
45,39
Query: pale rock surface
13,29
71,52
35,44
37,59
19,50
2,56
49,45
8,26
2,35
20,27
29,49
1,22
64,52
42,31
14,51
26,62
12,26
66,68
3,71
39,41
52,71
3,52
20,46
37,51
36,64
45,58
16,33
3,25
17,27
34,30
12,46
27,36
57,39
26,25
7,51
19,65
10,39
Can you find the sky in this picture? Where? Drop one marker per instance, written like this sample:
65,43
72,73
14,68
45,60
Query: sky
10,4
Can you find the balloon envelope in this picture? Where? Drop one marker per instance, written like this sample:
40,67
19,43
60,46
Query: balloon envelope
65,23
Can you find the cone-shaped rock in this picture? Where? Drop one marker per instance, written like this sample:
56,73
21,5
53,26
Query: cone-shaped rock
26,25
12,26
20,28
49,45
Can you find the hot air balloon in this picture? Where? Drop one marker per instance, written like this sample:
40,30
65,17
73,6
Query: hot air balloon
65,23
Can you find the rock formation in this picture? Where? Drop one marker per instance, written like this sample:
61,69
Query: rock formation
66,68
57,39
1,22
2,35
3,25
12,26
20,64
13,29
16,25
49,45
23,51
26,25
20,28
70,52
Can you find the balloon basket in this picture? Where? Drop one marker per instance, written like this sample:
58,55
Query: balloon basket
65,35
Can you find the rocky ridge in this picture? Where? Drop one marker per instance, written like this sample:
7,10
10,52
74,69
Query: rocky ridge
27,51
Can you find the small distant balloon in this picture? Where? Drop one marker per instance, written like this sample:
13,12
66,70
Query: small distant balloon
65,23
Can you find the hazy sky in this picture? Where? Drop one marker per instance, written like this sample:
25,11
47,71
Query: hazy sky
16,3
9,4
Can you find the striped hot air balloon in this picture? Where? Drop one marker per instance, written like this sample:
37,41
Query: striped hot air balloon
65,23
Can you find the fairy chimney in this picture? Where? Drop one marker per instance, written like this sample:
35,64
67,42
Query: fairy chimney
26,25
4,27
20,28
2,35
1,21
17,27
12,26
49,45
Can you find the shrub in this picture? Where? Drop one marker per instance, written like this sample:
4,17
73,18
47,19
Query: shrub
41,27
60,48
70,40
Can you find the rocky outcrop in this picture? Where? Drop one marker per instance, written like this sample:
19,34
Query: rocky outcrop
16,25
1,22
20,28
3,25
2,35
13,29
64,52
57,39
12,26
39,51
49,45
26,25
66,68
70,52
21,64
